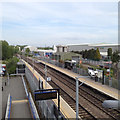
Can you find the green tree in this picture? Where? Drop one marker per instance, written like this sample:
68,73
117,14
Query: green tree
21,46
97,55
115,57
109,52
11,65
7,50
27,51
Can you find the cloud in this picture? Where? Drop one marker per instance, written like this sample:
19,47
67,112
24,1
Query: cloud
61,22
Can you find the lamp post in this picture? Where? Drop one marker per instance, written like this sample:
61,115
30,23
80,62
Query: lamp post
118,71
45,74
77,93
109,66
109,57
33,70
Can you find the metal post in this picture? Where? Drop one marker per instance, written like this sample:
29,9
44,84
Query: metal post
103,81
109,66
8,78
45,75
33,72
79,65
58,100
39,84
77,99
58,59
109,70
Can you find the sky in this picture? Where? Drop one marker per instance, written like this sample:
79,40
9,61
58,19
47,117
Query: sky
55,23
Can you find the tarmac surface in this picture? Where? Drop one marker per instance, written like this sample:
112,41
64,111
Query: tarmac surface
20,107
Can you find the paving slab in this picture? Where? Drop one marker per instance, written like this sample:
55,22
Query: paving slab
16,90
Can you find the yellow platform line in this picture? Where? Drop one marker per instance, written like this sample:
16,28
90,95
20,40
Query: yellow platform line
71,113
100,88
19,101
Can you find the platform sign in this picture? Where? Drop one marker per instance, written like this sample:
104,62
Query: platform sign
45,95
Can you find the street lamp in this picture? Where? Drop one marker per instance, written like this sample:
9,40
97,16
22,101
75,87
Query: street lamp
109,57
118,70
77,93
33,71
109,65
45,73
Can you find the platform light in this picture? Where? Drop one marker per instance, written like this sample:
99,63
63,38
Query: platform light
77,93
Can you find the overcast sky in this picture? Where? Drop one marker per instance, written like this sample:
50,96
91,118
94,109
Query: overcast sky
41,24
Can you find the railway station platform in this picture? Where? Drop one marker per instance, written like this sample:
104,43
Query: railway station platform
112,92
65,109
19,102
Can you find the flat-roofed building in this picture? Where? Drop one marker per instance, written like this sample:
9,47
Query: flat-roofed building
31,48
103,48
62,48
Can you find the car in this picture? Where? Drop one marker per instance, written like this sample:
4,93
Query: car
92,72
1,72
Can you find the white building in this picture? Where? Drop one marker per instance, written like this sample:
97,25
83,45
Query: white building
47,52
102,47
62,48
32,48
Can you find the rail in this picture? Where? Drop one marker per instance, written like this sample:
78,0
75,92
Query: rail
33,107
25,86
31,102
8,109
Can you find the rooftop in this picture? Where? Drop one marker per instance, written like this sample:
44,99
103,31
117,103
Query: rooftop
99,44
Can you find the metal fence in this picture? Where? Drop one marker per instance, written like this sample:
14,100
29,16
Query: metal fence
110,82
93,62
8,109
46,108
80,71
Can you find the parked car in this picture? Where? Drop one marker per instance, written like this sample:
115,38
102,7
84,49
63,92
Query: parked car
1,72
92,72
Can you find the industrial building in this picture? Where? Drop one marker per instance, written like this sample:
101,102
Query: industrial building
31,48
102,47
66,56
46,53
62,48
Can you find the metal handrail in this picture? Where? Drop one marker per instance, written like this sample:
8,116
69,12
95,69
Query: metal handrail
8,109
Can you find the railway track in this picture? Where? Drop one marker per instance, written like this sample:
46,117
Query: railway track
89,95
90,100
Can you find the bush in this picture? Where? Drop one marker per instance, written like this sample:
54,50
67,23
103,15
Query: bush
11,65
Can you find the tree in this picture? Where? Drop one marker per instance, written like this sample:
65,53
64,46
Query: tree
11,65
115,57
109,52
97,55
21,46
27,51
7,50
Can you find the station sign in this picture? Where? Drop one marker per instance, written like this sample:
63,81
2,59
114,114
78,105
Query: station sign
45,95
